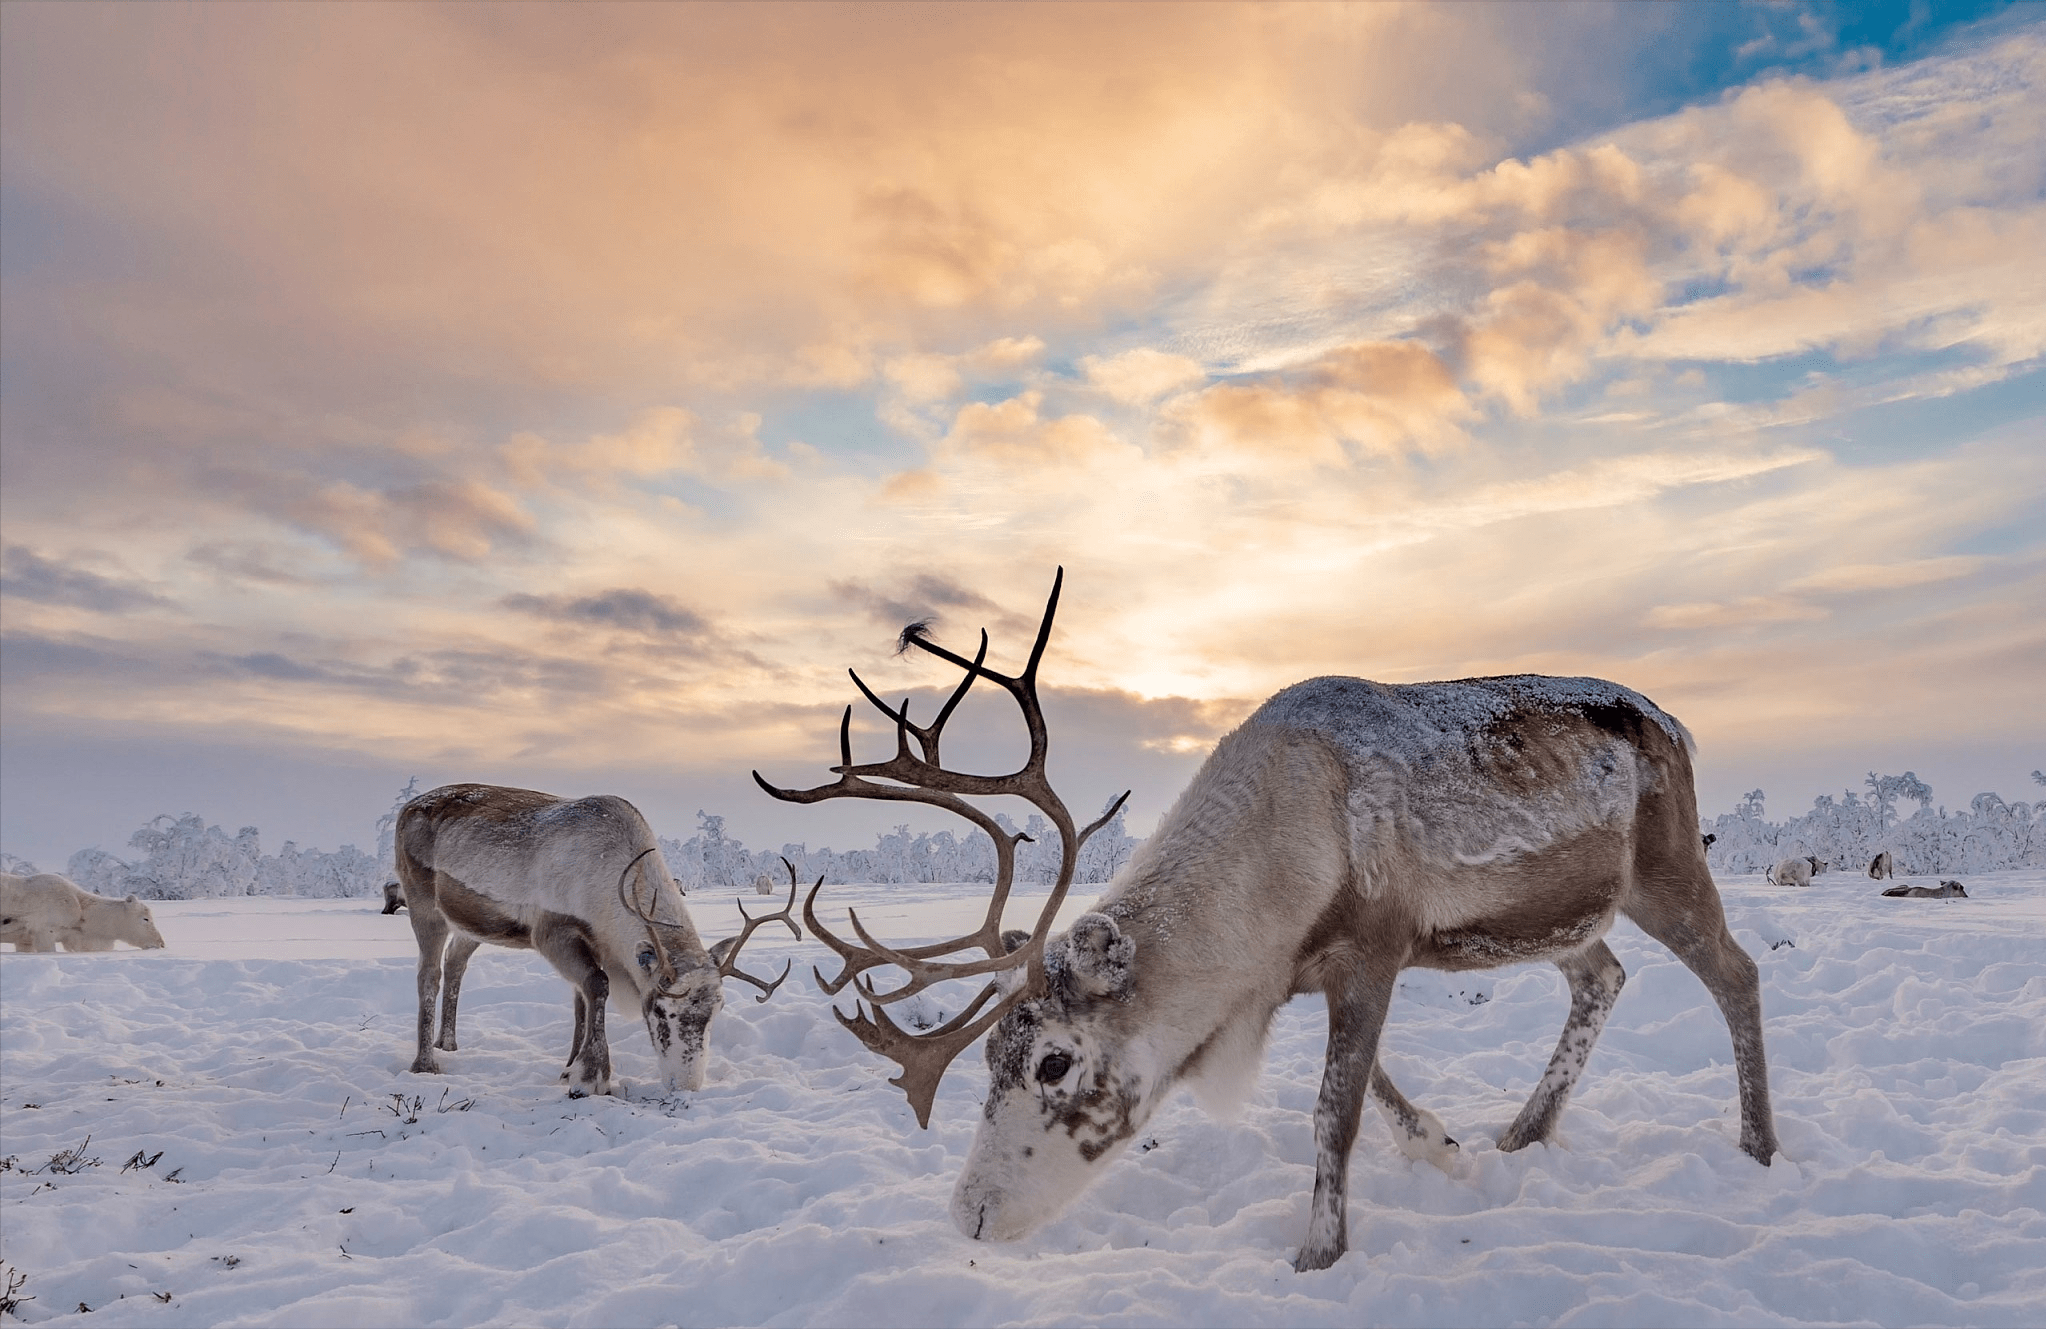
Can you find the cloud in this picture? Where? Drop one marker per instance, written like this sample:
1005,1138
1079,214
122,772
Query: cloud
1383,399
922,597
27,575
625,608
1847,578
1014,433
1141,375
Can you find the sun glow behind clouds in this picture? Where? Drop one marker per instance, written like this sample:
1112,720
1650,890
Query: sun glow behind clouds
479,390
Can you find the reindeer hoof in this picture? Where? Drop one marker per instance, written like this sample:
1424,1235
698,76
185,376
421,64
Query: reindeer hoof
426,1064
1312,1258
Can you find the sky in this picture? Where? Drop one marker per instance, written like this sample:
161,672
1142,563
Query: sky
567,396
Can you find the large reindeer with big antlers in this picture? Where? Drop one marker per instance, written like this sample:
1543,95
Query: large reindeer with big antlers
582,882
1345,831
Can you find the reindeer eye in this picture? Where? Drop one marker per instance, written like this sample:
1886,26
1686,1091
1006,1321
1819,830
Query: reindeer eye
1053,1068
646,959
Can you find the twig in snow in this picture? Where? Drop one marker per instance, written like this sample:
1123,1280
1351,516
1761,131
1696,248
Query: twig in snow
344,1107
337,1161
404,1111
67,1161
140,1160
172,1175
163,1297
12,1298
355,1134
445,1106
7,1163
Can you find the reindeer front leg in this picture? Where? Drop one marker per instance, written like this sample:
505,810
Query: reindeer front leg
1595,977
565,941
1356,1014
455,964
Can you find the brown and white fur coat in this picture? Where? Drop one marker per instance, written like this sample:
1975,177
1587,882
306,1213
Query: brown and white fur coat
523,869
1346,831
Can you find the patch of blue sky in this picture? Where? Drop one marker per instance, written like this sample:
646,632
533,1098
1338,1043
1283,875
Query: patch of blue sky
1662,58
843,424
1927,425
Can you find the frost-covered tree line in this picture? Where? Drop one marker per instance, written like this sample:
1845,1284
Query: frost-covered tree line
183,858
712,860
1849,831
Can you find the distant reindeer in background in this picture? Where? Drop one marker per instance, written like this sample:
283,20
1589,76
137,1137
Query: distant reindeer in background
1946,890
1345,831
394,897
1881,867
43,911
1795,871
582,882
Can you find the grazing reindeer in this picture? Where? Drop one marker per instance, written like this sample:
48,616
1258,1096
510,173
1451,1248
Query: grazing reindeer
394,897
569,879
1345,831
1882,866
1795,871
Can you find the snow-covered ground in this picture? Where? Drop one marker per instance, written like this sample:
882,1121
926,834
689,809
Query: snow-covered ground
288,1170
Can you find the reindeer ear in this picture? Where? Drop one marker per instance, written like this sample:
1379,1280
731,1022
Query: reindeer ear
1094,960
720,949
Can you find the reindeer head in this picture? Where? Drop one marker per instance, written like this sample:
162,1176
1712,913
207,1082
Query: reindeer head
138,925
1066,1088
1064,1093
681,985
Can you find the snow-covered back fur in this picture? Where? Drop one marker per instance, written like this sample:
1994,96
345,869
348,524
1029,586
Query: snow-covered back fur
45,911
1347,830
523,869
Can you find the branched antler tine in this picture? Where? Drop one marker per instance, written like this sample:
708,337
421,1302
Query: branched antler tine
766,989
856,961
929,737
903,728
923,1058
1107,815
923,973
1051,608
845,739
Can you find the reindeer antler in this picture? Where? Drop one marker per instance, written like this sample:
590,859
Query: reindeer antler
920,778
729,966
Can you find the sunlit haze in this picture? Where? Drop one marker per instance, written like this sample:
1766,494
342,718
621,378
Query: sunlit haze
566,396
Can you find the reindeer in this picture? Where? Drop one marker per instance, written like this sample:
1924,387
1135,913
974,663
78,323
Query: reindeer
1796,871
1946,890
1882,866
580,882
1345,831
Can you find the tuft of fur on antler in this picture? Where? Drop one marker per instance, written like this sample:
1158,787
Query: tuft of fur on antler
920,777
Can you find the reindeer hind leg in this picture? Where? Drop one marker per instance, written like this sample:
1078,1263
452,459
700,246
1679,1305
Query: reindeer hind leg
430,930
1693,926
1595,977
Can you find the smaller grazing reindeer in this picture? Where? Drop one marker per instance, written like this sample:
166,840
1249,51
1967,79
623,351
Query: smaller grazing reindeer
578,881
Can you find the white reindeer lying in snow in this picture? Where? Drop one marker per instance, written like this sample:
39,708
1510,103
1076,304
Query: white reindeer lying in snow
1345,831
44,911
580,881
